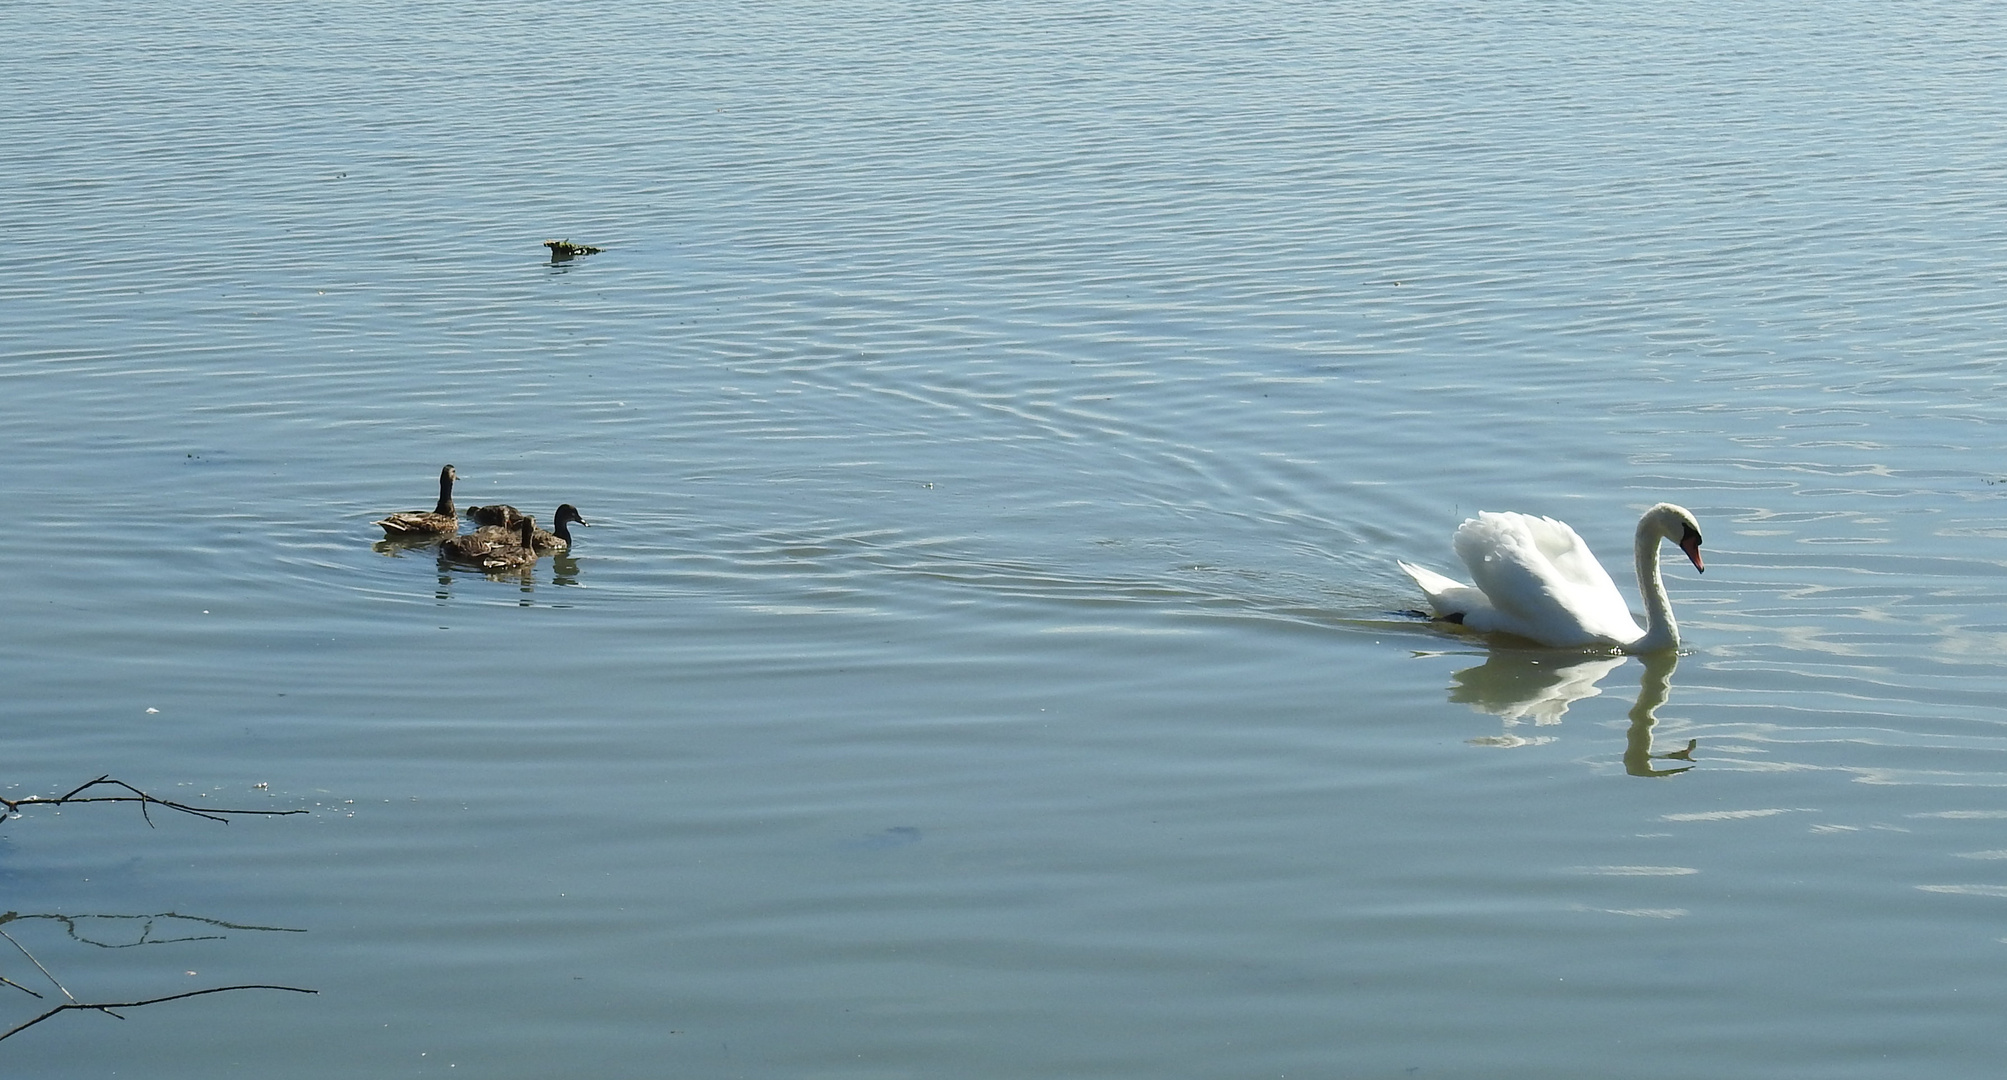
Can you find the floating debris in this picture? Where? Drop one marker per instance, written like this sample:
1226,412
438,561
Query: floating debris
565,250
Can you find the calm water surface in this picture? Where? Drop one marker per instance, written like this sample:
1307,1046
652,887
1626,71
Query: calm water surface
999,423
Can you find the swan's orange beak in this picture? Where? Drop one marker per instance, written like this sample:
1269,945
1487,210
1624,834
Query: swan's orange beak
1690,543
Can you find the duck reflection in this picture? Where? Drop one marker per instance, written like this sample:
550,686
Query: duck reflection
396,549
564,569
1522,686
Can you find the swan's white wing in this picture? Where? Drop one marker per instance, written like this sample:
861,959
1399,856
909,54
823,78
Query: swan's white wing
1570,557
1447,596
1543,582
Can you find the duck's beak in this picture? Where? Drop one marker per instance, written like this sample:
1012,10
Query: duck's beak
1690,543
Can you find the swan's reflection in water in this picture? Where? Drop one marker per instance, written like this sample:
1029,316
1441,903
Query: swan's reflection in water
1537,686
1653,690
1522,686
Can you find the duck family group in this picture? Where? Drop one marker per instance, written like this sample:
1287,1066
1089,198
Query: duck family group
1534,577
507,539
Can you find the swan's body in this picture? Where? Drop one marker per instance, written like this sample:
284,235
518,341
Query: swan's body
1536,579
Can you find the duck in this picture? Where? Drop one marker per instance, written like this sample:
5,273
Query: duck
418,524
501,520
521,553
1537,580
494,546
560,540
565,250
500,514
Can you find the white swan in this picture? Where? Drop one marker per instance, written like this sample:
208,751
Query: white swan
1538,580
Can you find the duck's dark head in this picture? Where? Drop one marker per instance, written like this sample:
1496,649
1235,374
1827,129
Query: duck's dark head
568,513
446,478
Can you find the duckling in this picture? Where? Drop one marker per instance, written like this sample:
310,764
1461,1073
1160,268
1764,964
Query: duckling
419,525
521,553
500,514
561,521
488,535
476,545
500,520
499,523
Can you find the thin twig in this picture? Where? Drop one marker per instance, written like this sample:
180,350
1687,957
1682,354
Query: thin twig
7,918
38,965
107,1006
142,798
145,801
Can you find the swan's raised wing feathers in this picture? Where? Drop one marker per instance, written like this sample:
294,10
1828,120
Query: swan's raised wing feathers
1450,598
1542,581
1432,583
1568,556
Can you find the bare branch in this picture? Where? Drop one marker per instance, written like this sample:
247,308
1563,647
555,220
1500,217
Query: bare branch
106,1007
146,923
76,795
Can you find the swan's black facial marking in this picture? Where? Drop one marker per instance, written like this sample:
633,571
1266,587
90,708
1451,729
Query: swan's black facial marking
1689,542
1454,617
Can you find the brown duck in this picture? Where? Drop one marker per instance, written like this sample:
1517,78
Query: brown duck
495,548
500,521
419,525
499,514
513,556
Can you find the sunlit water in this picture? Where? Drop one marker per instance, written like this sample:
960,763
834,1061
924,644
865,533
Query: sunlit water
998,425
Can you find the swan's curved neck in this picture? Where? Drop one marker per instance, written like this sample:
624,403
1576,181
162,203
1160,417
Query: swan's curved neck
1661,630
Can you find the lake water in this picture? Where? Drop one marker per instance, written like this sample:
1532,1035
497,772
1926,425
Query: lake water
998,425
